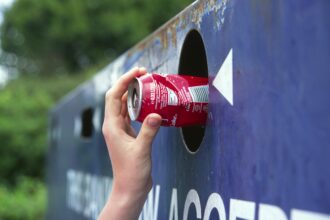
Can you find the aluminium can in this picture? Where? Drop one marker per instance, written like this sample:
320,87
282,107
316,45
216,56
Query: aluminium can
180,100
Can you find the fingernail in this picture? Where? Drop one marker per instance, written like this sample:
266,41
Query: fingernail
154,122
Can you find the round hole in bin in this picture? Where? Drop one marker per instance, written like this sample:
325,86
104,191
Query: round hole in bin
87,127
193,62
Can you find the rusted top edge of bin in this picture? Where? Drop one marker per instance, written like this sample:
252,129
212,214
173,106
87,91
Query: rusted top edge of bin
168,32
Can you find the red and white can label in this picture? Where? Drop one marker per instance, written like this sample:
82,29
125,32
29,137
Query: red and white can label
181,100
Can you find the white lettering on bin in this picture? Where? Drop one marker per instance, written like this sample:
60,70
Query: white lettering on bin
174,206
192,198
150,208
87,193
215,202
241,209
271,212
297,214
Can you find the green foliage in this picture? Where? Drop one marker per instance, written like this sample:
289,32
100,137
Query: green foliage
22,133
27,201
24,106
57,35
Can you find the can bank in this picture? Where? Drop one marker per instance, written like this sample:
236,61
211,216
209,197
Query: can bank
265,150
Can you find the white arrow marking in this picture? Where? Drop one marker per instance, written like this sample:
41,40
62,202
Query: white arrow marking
223,81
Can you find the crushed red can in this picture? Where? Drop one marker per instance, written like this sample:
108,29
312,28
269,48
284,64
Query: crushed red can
181,100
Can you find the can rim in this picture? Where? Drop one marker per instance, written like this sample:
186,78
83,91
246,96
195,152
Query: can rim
134,111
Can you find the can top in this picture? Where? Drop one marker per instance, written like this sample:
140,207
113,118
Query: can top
134,99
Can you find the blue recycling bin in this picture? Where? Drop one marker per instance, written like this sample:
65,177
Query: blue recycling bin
264,152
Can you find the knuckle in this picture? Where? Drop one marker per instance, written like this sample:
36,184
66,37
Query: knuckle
109,94
108,131
105,129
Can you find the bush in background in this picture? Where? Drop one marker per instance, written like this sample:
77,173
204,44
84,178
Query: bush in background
27,201
24,106
52,36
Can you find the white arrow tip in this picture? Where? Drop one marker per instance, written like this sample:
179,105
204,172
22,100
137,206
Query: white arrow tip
223,81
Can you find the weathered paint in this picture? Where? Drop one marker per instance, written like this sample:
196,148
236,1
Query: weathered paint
264,156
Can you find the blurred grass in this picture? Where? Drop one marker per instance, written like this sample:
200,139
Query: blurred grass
24,106
27,201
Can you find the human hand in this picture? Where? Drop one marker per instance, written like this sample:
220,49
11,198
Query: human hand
130,154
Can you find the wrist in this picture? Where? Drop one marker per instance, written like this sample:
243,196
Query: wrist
134,189
128,195
123,204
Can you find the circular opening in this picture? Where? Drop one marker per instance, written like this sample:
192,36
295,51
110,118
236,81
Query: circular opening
87,127
193,62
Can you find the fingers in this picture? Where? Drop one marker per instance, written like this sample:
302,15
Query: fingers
123,82
148,131
113,105
124,104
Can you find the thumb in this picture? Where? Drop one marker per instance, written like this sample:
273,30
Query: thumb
149,129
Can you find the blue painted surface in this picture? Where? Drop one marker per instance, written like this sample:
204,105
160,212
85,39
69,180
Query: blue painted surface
270,147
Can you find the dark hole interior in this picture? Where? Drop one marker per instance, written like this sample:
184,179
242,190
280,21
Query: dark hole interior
193,62
135,99
87,123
